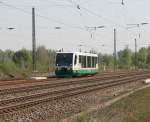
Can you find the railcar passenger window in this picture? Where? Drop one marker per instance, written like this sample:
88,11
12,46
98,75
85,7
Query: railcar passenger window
75,60
92,61
79,58
89,61
84,61
95,62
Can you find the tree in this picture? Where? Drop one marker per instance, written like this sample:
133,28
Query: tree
125,58
45,59
107,61
142,57
148,56
8,55
1,56
42,58
51,60
22,58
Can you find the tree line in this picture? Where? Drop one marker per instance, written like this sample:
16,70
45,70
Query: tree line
126,59
13,62
20,62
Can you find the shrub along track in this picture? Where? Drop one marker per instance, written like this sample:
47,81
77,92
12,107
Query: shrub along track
81,86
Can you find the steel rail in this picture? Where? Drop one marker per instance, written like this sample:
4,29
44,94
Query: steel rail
58,84
16,82
71,92
32,96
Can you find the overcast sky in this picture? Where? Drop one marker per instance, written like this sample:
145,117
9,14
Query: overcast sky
76,19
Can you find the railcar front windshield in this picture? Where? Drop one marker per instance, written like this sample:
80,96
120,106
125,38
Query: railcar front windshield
64,59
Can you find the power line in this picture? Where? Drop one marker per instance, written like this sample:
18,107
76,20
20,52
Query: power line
93,13
79,11
86,1
41,16
11,6
99,16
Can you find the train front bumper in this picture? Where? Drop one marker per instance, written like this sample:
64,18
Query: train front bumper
64,72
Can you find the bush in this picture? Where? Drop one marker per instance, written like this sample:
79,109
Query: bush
8,67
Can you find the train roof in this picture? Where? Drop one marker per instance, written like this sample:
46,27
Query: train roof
80,53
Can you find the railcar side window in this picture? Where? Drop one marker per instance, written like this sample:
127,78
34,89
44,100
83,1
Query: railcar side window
82,61
84,58
88,61
92,61
75,60
79,58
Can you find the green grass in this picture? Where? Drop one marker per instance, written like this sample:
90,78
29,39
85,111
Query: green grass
134,108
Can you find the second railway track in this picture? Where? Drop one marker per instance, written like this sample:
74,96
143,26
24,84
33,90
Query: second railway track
29,81
10,105
59,83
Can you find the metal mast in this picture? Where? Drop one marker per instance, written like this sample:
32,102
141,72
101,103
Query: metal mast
33,41
115,62
135,54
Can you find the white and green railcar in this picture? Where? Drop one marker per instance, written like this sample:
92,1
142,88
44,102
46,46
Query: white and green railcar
76,64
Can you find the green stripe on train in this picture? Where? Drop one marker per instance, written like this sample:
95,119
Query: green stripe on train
84,71
76,72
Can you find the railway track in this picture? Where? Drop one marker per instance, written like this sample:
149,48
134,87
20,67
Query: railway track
21,81
10,105
49,85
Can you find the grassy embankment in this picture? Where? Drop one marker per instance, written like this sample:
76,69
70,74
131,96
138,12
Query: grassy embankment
134,108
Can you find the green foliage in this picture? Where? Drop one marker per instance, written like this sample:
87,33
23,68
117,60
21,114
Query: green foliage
20,62
108,60
142,57
51,61
125,58
105,61
42,55
8,54
22,58
148,56
8,67
45,59
1,56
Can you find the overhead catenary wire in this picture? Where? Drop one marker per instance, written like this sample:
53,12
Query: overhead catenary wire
92,13
77,7
81,15
86,1
62,23
56,21
41,16
95,14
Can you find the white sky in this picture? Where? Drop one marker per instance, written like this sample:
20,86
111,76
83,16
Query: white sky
73,23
